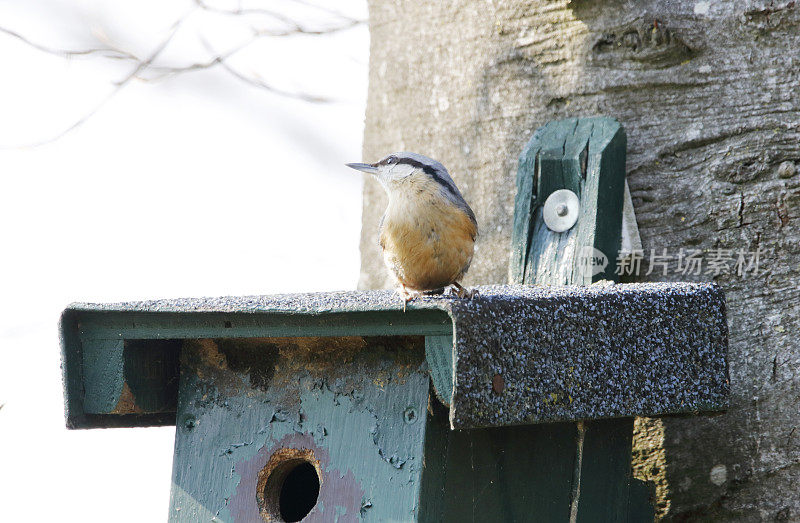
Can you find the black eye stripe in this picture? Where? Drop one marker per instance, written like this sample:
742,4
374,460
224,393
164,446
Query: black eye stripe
430,171
440,177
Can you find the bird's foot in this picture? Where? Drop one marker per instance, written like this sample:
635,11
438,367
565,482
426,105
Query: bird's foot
462,292
408,295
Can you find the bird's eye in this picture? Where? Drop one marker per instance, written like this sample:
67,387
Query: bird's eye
390,160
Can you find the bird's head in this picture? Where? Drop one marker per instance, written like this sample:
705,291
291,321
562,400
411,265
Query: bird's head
399,167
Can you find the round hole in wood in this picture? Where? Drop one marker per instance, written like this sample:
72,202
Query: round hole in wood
288,486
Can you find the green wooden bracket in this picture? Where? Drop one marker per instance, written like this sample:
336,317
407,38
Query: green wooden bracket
586,156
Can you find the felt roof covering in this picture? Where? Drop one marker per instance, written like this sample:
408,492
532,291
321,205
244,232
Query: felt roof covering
515,354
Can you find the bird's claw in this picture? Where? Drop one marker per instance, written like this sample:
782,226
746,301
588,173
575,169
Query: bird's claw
462,292
407,296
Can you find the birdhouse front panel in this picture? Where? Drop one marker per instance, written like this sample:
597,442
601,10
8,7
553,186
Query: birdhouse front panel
281,429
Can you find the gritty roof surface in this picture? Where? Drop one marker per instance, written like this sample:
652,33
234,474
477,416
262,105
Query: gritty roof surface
528,354
381,300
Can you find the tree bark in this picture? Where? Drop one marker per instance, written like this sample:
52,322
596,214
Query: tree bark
708,94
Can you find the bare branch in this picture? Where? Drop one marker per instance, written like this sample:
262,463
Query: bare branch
118,87
220,59
260,83
107,52
274,14
158,50
298,29
245,11
322,8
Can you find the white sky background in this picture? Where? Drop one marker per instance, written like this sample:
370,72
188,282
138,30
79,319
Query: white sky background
194,185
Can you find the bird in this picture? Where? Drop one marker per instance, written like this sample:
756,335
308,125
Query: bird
428,231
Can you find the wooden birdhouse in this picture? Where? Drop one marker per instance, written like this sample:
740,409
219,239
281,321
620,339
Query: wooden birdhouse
515,405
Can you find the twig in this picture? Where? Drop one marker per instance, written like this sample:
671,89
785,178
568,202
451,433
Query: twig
68,53
258,82
167,71
118,87
298,29
147,64
267,12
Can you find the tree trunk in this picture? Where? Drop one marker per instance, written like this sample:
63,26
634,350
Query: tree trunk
708,94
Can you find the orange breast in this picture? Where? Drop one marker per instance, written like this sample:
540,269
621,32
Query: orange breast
427,243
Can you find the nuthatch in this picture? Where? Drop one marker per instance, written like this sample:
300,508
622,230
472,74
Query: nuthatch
428,231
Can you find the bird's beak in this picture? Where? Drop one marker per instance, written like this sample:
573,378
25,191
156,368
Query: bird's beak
363,167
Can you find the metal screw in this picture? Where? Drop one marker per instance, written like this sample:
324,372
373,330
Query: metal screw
190,422
410,415
562,210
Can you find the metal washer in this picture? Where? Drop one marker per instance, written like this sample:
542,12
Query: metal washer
560,212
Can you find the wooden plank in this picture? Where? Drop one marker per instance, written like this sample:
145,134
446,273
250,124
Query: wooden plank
433,492
519,474
439,355
524,203
151,376
123,377
550,254
605,477
352,407
605,184
127,367
174,325
103,367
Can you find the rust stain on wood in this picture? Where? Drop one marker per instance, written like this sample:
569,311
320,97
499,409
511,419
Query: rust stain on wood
127,402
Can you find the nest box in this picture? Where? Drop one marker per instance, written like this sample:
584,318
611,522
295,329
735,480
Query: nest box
516,405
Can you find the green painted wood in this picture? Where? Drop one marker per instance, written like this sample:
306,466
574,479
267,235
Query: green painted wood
439,355
71,369
586,156
103,367
516,474
128,368
524,205
531,474
640,504
354,406
146,325
605,481
129,377
433,492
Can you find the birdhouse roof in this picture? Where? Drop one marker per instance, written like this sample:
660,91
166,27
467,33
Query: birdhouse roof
511,355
